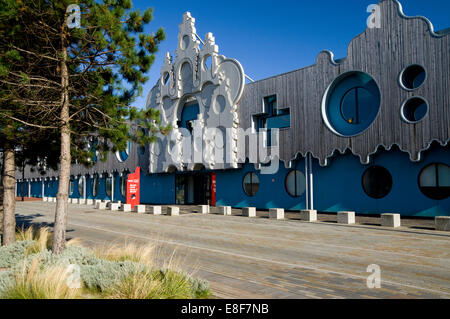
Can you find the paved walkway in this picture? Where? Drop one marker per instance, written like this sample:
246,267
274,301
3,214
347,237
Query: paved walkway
262,258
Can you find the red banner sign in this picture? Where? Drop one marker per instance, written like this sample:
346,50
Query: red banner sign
213,189
133,184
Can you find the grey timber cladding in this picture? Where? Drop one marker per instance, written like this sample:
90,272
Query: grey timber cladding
382,53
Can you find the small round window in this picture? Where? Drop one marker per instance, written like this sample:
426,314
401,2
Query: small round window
250,184
414,109
434,181
70,187
295,183
95,185
80,185
123,184
108,186
377,182
122,156
412,77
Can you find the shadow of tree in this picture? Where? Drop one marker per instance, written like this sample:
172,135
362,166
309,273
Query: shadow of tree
26,221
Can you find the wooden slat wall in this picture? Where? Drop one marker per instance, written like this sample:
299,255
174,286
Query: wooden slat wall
383,53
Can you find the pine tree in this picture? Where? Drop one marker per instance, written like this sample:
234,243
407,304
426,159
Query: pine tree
82,79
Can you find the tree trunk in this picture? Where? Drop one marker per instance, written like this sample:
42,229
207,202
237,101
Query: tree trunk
59,230
8,181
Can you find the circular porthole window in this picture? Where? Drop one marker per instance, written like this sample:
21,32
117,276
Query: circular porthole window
351,103
81,181
434,181
250,184
377,182
295,183
95,185
412,77
122,156
414,109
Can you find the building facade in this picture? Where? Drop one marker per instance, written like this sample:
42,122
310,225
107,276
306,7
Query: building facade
368,133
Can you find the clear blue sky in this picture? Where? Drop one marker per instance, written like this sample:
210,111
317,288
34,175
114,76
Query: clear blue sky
270,37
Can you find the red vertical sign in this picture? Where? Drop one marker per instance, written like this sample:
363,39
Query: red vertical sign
133,183
213,189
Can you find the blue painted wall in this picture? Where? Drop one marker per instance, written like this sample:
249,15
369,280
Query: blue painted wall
336,187
339,186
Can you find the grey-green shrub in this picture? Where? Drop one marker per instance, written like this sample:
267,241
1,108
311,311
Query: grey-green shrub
12,254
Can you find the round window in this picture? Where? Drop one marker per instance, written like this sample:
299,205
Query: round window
250,184
295,183
377,182
71,187
80,185
414,109
351,103
122,156
95,185
108,186
412,77
434,181
123,184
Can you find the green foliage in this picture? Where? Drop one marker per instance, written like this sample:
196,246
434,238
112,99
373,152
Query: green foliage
112,279
108,58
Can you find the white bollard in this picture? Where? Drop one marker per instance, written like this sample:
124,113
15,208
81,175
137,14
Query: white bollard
81,201
276,213
97,201
249,211
442,223
390,220
225,210
173,211
45,199
114,206
100,205
139,209
346,218
89,201
126,207
155,210
308,215
204,209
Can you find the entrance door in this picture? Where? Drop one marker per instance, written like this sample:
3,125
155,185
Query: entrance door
193,189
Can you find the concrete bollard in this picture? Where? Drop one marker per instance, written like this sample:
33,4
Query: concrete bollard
53,200
173,211
100,205
155,210
442,223
390,220
346,218
204,209
308,215
114,206
225,210
126,207
81,201
45,199
139,209
89,201
97,201
249,211
276,213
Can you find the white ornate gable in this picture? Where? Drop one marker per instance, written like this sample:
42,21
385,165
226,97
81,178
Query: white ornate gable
217,90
